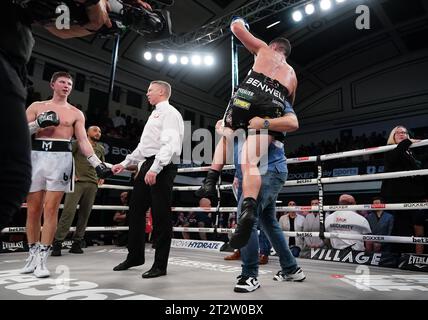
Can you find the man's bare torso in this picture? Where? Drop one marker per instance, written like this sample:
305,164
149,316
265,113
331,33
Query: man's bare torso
273,65
67,114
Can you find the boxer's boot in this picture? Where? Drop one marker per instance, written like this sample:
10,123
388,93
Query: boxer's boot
246,221
208,189
41,270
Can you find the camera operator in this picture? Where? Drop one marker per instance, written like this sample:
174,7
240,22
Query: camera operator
16,43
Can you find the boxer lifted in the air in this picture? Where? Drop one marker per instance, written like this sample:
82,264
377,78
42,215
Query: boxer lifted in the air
53,122
265,95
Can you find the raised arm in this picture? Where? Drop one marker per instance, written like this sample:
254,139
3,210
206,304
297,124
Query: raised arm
239,28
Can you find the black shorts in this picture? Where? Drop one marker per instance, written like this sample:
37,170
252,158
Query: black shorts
256,96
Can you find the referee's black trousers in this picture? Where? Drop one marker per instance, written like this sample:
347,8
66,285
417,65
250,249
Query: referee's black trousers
157,197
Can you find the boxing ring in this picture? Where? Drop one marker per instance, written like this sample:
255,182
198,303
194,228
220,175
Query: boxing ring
197,270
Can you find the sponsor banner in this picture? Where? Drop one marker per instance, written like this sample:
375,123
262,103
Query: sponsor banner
307,173
13,246
16,229
414,262
67,244
340,172
419,205
197,244
356,257
116,149
301,175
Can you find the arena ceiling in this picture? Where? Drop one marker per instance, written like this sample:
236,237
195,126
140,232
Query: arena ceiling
327,47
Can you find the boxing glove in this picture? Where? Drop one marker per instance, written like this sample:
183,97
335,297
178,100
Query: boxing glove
47,119
43,120
103,171
237,19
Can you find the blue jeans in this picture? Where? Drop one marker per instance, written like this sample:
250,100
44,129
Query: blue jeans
264,244
272,183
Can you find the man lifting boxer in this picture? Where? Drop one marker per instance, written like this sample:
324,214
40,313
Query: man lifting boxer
260,101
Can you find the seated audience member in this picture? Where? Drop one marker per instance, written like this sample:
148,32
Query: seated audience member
293,222
381,223
312,224
120,220
349,222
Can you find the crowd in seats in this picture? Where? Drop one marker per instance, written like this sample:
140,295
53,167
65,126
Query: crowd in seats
344,143
347,142
192,220
376,222
121,126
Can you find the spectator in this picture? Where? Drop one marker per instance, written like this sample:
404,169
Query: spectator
381,223
203,220
120,216
190,221
293,222
402,190
120,219
118,121
347,222
179,222
312,224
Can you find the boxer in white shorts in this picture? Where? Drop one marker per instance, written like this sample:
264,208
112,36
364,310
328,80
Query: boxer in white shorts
53,124
43,159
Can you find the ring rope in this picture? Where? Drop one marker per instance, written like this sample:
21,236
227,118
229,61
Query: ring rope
301,182
319,181
347,236
359,207
324,157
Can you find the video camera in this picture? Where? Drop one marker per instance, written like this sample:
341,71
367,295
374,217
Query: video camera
124,14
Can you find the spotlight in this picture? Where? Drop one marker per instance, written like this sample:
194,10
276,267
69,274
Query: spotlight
309,9
340,1
147,55
297,16
184,60
196,60
209,60
325,4
172,59
273,24
159,57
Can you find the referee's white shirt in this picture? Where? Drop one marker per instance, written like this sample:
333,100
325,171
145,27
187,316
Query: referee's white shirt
162,137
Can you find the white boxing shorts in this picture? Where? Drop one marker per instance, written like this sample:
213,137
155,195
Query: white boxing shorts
53,166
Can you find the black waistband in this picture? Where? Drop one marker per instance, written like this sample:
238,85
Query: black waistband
51,145
269,81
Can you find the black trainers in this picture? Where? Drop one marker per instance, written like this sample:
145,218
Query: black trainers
246,284
208,188
56,248
297,276
246,221
76,248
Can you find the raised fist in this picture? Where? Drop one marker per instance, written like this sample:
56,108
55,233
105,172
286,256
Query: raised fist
237,19
47,119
